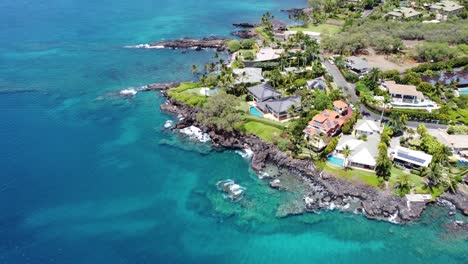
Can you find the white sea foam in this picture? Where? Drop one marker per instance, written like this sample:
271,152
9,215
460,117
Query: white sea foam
128,92
168,124
195,133
245,153
144,46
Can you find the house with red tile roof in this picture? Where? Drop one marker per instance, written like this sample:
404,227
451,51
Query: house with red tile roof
322,127
340,106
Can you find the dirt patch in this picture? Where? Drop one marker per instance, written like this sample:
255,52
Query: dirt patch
388,62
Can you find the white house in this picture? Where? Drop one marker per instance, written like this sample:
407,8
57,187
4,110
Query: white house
367,127
411,158
363,153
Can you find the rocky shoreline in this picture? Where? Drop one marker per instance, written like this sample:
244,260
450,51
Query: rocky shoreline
218,43
326,191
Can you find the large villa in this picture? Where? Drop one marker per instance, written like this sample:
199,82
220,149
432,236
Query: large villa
268,103
323,126
406,96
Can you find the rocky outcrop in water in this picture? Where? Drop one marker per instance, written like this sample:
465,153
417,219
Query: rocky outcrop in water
245,25
246,34
458,199
218,43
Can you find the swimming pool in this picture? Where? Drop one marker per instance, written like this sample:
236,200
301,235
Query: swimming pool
255,112
463,91
335,160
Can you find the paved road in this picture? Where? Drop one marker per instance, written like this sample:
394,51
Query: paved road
348,90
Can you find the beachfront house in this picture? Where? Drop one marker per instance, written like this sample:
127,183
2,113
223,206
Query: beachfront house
322,127
263,92
357,65
340,107
446,7
268,54
367,127
268,100
317,83
248,75
363,153
282,108
409,158
403,13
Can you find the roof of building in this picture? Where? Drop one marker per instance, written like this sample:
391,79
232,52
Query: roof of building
404,12
357,63
460,78
263,91
266,54
317,83
447,6
340,104
362,152
324,121
252,75
394,88
413,156
283,104
367,125
452,141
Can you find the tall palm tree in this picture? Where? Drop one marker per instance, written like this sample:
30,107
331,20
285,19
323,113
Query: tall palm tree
346,153
387,100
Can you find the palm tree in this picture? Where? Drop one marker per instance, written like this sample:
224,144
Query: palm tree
434,175
346,153
387,100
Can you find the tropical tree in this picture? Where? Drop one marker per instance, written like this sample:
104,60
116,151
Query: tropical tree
346,153
434,175
384,164
220,112
403,184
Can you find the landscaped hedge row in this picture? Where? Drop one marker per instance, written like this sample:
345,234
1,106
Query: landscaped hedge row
421,115
266,66
450,64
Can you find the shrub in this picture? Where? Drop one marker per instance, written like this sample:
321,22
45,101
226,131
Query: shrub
267,66
391,74
248,55
434,52
458,130
234,45
351,77
248,44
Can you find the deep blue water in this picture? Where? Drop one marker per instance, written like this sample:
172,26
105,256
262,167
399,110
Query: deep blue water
89,180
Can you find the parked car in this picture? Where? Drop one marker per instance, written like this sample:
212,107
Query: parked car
364,113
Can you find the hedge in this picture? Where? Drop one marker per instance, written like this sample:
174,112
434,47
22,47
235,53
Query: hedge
450,64
421,115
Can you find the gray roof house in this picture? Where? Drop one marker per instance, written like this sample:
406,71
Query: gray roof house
263,92
317,83
447,7
279,108
357,65
404,13
363,153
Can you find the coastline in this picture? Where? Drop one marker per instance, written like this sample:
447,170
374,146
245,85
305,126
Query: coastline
327,191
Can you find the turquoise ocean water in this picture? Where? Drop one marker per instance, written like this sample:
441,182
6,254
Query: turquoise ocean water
85,180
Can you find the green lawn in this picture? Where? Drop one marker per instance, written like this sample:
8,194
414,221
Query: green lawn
322,28
188,93
263,131
415,180
366,177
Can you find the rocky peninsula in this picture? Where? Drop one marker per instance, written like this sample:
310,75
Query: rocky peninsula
326,191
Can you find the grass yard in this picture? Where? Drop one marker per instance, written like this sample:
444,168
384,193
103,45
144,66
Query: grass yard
188,93
366,177
415,180
263,131
322,28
